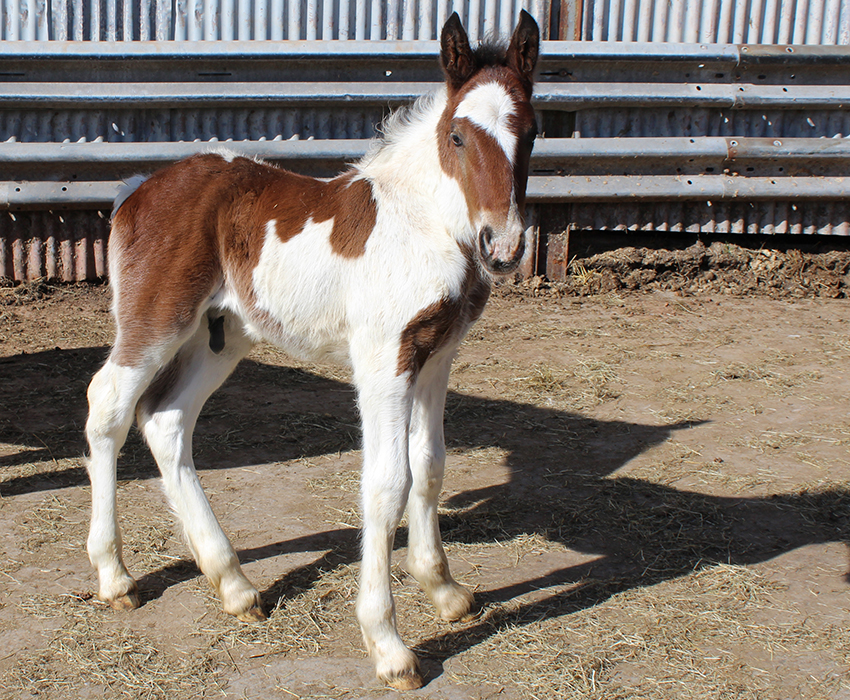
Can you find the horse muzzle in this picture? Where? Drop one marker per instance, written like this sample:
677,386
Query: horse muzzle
500,253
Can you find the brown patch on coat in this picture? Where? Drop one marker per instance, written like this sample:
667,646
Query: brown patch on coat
355,218
186,228
164,247
443,322
293,200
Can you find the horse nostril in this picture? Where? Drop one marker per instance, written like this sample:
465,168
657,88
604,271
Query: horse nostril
485,241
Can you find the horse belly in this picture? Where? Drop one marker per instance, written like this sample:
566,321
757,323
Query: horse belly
298,295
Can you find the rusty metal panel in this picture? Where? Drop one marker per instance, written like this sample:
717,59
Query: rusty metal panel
69,246
557,255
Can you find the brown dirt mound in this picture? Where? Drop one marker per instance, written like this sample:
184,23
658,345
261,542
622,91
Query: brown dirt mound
721,268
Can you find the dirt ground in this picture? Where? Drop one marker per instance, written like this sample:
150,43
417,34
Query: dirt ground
648,491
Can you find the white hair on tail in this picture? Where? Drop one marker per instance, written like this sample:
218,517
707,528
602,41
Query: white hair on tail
128,186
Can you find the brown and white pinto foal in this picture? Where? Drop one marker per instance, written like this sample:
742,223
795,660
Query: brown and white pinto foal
384,267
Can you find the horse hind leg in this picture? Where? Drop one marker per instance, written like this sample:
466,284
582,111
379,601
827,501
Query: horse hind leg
166,414
112,396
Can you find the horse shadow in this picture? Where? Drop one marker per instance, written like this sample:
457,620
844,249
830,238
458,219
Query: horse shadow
562,485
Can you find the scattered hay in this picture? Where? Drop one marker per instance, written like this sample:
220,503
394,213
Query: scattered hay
683,461
54,522
314,604
779,383
26,292
593,651
586,384
85,655
347,481
771,440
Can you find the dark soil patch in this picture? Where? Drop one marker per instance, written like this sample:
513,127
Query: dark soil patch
720,268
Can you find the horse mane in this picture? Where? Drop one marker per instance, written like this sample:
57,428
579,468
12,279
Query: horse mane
490,52
401,121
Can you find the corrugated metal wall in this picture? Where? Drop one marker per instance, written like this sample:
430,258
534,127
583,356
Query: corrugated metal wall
81,73
825,22
255,20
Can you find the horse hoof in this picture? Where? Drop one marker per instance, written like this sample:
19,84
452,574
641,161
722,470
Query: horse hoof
455,603
409,680
129,601
254,614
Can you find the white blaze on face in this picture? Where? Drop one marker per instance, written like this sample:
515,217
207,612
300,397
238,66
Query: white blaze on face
491,107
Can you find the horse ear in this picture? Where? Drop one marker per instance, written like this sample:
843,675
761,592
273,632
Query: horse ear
525,47
456,55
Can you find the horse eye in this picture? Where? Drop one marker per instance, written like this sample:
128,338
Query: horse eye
456,139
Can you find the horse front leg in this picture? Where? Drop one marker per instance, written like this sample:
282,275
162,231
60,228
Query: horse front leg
384,399
426,560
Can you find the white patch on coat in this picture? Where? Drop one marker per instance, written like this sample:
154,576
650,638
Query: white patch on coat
297,284
491,107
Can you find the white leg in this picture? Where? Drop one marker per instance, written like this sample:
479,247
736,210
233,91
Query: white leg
426,560
167,415
112,396
384,400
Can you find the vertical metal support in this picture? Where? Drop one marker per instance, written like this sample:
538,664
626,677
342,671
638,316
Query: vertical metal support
557,255
312,20
94,22
163,20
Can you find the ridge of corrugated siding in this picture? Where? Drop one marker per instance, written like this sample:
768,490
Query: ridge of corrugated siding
256,20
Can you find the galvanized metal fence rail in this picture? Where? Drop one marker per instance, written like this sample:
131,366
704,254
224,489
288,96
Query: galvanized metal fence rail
689,138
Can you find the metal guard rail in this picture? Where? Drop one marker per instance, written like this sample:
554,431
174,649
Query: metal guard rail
541,189
553,51
559,96
723,153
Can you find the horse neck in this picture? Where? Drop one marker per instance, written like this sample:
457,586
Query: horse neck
406,171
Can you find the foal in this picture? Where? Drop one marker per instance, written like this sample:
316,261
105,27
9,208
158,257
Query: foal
384,267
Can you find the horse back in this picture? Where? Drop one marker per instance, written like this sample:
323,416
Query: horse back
200,225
